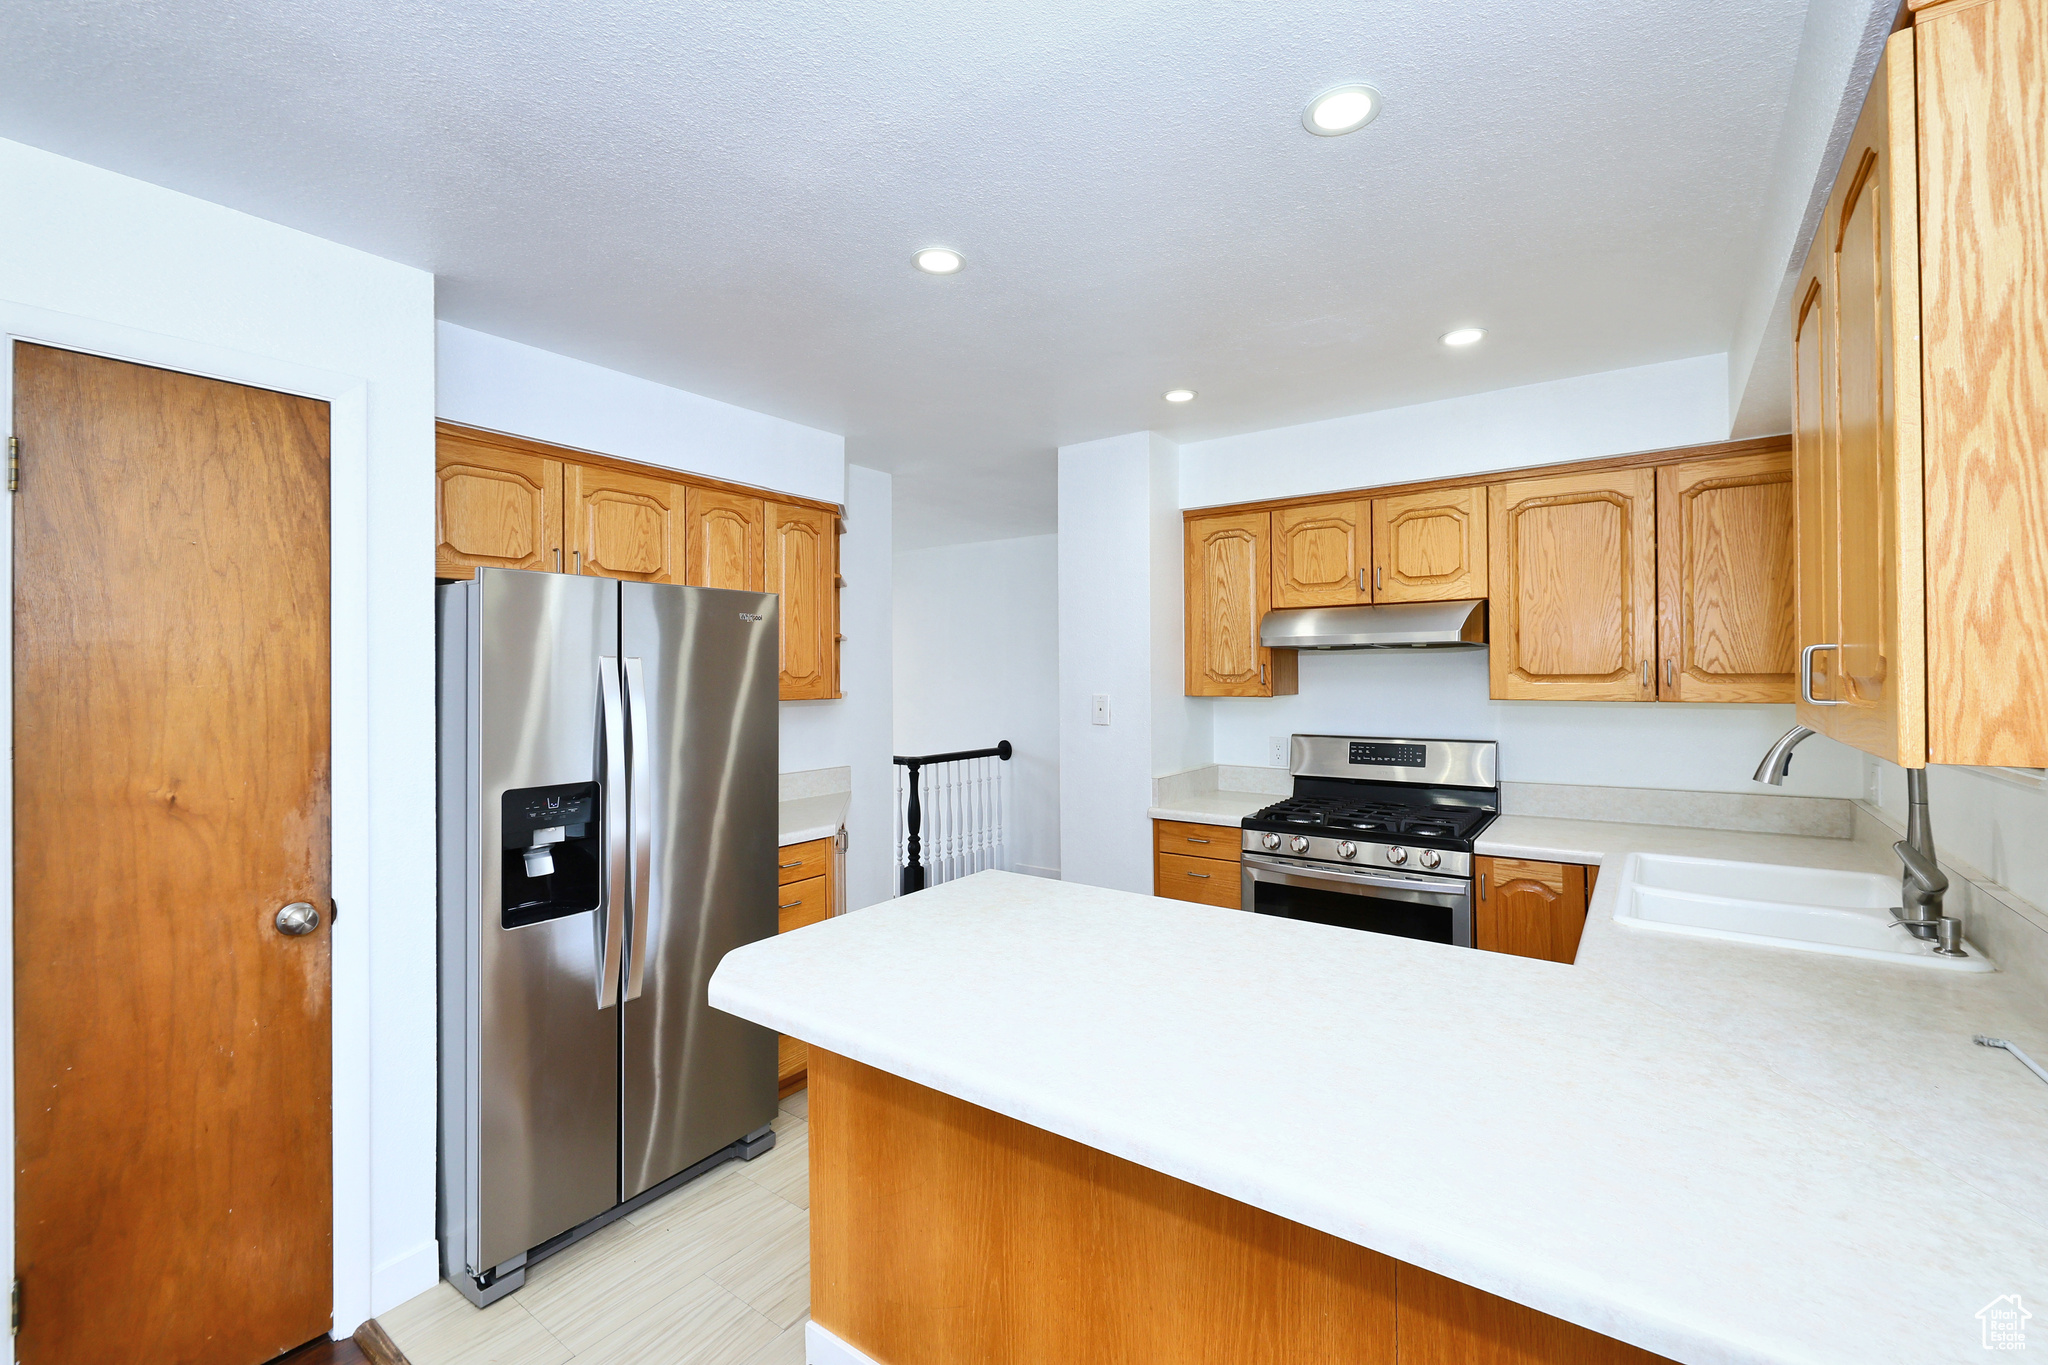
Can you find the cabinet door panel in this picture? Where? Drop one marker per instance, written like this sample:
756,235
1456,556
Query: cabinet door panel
1320,554
800,567
1983,159
494,508
1813,484
723,540
1726,580
1574,587
1228,591
1529,909
1429,547
625,526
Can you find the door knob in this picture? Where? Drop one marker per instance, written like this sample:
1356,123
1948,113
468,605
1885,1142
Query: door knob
298,918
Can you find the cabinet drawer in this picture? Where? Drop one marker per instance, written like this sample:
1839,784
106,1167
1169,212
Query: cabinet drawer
1207,881
801,862
1196,841
801,903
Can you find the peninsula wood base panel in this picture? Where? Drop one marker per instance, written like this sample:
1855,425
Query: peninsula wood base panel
945,1234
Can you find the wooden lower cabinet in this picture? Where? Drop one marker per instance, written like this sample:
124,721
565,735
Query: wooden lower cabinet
942,1232
1528,909
804,896
1195,862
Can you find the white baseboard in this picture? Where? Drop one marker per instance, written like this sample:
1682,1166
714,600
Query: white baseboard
1028,870
822,1348
405,1276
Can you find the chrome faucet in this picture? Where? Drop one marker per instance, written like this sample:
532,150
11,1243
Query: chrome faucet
1922,882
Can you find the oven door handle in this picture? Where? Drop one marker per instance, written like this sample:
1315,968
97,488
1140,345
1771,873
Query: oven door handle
1442,886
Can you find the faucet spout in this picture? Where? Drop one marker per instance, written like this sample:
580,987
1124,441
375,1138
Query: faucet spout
1778,761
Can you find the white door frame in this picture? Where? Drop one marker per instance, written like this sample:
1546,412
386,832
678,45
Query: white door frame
349,740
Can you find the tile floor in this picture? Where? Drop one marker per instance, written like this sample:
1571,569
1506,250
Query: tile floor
716,1273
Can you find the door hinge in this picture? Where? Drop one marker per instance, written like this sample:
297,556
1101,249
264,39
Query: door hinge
14,1309
13,464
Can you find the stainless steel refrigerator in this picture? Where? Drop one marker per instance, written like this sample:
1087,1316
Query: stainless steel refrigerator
608,827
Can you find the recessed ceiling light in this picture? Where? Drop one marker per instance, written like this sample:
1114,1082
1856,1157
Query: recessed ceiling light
1463,336
939,260
1341,109
1180,395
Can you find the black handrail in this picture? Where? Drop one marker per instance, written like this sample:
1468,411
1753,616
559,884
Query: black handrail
913,866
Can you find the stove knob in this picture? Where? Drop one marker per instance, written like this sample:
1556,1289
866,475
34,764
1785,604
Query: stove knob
1347,849
1271,841
1430,857
1397,855
1298,844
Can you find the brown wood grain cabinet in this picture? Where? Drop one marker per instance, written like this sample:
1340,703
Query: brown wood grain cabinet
1528,909
1198,863
1322,555
494,508
1229,588
802,566
1726,629
804,897
723,540
1429,546
624,526
1573,579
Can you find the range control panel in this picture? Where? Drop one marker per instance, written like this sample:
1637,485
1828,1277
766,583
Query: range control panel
1389,755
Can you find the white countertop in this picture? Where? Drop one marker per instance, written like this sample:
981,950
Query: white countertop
806,818
1214,808
1717,1152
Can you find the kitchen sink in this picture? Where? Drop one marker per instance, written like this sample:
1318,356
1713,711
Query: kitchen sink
1848,914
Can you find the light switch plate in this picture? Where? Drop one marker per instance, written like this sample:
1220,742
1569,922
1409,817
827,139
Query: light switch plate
1098,709
1276,751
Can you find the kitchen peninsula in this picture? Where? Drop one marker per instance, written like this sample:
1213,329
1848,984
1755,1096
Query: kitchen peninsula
1051,1121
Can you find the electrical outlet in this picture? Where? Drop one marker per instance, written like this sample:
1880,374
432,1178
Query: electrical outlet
1276,751
1098,709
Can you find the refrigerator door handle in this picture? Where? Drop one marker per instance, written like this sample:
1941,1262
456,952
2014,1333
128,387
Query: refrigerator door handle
642,782
612,902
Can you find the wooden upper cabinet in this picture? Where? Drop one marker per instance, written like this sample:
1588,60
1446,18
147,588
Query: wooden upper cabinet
494,508
723,543
1322,554
1573,574
1429,547
1815,507
1229,588
1726,580
802,565
1529,909
1983,309
626,526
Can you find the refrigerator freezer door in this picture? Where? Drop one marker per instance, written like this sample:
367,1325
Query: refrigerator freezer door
546,1056
695,1078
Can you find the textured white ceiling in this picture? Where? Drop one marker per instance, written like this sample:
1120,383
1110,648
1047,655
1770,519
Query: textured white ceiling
725,197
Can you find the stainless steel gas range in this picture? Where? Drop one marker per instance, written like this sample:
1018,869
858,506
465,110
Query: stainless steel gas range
1377,836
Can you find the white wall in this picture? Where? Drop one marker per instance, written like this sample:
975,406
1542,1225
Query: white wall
1119,574
977,661
501,385
103,263
487,381
1649,407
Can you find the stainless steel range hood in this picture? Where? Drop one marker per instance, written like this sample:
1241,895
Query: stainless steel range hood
1396,625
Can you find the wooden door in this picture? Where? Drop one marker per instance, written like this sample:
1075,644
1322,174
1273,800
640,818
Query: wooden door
1814,506
172,1101
1429,547
1726,580
1529,909
1879,670
626,526
1573,570
1229,588
800,566
723,540
494,508
1321,555
1983,204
